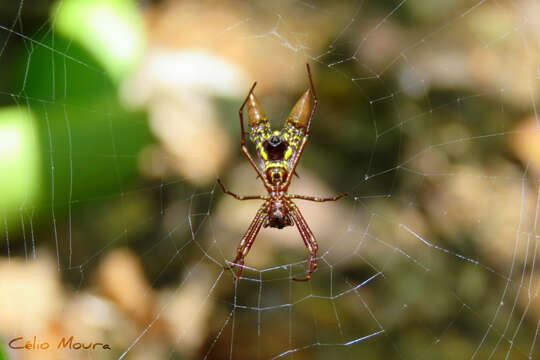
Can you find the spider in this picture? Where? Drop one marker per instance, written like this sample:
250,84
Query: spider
279,153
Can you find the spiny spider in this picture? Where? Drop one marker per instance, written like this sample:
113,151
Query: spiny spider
278,153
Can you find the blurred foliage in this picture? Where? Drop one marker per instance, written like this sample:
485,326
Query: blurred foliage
19,157
88,141
78,133
111,30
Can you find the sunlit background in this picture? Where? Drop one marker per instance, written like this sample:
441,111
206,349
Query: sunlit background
118,116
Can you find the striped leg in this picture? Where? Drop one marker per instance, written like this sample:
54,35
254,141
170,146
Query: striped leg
240,197
315,198
308,237
249,238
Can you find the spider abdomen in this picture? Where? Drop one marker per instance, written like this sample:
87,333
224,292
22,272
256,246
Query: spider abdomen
275,147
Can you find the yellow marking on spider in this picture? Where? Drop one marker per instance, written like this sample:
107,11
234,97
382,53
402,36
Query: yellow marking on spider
288,153
281,164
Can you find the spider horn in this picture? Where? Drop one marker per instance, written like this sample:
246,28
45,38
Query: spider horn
255,112
299,115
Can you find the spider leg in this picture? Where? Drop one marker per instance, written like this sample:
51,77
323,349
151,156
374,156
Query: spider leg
241,113
317,199
249,238
239,197
252,162
306,136
243,136
315,99
307,236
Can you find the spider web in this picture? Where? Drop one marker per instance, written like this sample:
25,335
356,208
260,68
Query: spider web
434,136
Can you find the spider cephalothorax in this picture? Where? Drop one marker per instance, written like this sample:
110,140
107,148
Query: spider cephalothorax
278,215
278,154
